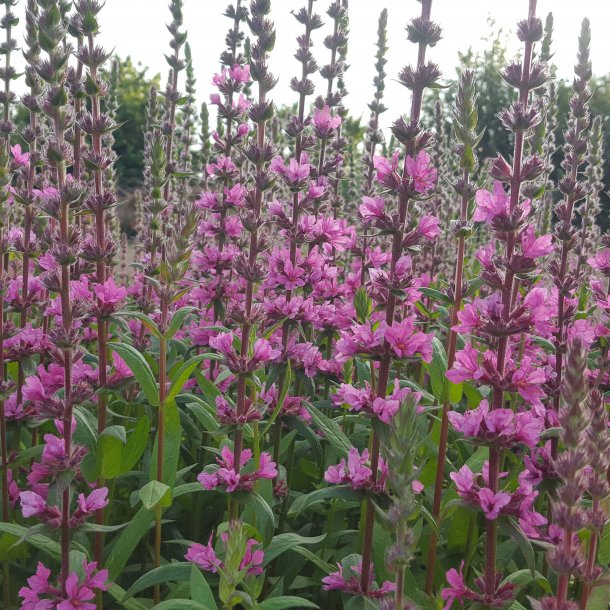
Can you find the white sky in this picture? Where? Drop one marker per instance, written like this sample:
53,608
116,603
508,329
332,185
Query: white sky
137,28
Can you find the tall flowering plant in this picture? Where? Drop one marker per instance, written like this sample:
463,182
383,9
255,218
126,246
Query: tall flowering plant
398,338
328,373
465,121
501,321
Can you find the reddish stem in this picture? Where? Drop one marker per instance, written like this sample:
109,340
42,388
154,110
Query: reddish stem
277,432
102,328
442,447
384,367
507,296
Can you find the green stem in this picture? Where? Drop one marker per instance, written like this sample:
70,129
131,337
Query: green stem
160,438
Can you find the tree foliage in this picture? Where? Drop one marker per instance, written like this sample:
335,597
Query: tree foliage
133,84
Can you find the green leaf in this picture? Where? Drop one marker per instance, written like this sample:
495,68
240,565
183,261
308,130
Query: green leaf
437,369
152,493
361,603
332,432
117,432
146,320
117,593
177,321
436,295
381,541
11,550
287,380
171,445
336,492
94,527
323,565
140,369
522,578
604,547
473,395
86,435
363,305
457,534
76,561
27,455
454,392
262,516
180,604
286,601
136,444
109,451
524,544
204,413
599,598
127,541
310,436
545,343
172,572
200,590
42,543
182,376
284,542
209,389
187,488
477,459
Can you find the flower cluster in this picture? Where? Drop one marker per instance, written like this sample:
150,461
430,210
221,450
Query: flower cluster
347,580
357,472
231,478
206,558
79,591
302,339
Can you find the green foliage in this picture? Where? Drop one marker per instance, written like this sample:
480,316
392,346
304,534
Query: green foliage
494,94
133,84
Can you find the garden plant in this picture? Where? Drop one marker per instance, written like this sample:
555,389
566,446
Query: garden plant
333,366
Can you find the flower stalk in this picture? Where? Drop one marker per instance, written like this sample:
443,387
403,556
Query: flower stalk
423,32
259,153
374,136
465,121
573,190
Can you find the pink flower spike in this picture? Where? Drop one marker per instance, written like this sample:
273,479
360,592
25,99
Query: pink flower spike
262,351
421,172
109,293
204,556
348,581
534,247
601,261
492,503
21,158
77,594
417,487
463,479
266,468
457,590
429,227
324,122
372,208
406,342
491,205
32,504
96,500
253,559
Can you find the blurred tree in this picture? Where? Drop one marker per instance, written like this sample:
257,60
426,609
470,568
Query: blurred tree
495,94
133,85
600,106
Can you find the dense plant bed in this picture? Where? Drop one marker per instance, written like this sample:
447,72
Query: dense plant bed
335,376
